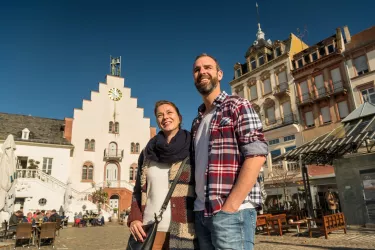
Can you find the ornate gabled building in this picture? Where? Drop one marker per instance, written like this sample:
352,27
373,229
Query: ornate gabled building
265,80
322,86
96,149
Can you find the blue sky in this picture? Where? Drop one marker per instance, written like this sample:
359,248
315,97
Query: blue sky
53,53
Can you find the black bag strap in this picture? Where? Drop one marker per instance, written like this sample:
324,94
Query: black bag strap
171,189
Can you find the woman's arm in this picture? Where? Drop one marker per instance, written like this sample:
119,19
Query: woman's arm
135,209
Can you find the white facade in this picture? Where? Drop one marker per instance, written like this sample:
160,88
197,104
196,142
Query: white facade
57,155
53,159
110,153
92,122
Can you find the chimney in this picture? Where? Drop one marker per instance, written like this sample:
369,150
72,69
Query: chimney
347,34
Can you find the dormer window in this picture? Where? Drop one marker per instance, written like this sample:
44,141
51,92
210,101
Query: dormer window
261,59
238,73
314,56
278,51
331,49
300,63
25,134
253,63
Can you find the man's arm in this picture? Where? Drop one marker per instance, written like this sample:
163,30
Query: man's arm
245,182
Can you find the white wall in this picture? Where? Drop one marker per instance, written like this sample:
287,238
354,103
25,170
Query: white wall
92,122
59,153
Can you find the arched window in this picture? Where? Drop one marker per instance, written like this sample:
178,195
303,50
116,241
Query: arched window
131,174
112,149
87,142
137,147
132,147
269,111
92,145
110,129
87,171
117,127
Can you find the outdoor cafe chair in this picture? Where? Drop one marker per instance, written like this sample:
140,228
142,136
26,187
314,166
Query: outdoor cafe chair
23,232
47,231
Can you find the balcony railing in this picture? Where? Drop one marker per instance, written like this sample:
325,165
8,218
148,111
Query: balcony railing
113,154
305,98
293,167
277,167
280,122
280,89
338,87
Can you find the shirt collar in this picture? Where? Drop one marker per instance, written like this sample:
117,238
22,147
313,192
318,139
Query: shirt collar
217,102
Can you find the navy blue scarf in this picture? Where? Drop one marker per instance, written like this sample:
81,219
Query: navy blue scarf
178,148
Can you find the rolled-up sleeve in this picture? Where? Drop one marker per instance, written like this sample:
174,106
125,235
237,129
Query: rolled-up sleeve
249,130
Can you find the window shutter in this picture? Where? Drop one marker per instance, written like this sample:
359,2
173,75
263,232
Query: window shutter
84,173
343,109
319,83
282,77
336,76
253,92
304,90
309,118
360,63
325,114
267,86
271,115
90,173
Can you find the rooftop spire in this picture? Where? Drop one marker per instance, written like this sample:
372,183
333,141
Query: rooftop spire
260,34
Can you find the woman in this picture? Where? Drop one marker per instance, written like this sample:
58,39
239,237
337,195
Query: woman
157,166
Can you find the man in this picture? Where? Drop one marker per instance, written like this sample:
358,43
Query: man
14,219
228,151
53,217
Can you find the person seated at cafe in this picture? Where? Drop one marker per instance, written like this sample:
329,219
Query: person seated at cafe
14,220
53,217
84,220
46,217
36,213
29,218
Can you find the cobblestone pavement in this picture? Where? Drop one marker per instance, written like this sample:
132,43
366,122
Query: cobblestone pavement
114,237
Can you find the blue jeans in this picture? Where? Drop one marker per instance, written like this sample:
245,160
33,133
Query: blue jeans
226,230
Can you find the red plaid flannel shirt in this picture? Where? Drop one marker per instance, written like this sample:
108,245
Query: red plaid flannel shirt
235,133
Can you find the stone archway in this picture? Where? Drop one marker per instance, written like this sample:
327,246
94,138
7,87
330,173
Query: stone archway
114,201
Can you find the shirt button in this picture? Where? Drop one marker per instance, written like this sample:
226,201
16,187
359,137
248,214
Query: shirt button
173,205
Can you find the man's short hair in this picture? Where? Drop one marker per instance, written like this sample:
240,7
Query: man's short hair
54,210
213,58
43,211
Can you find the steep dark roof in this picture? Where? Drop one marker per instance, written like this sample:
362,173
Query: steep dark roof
42,130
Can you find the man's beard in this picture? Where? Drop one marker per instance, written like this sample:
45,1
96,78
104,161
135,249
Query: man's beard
206,89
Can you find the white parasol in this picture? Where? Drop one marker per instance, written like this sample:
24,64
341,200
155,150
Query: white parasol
8,165
68,196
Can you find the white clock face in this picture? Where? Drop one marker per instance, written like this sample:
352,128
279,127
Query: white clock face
114,94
